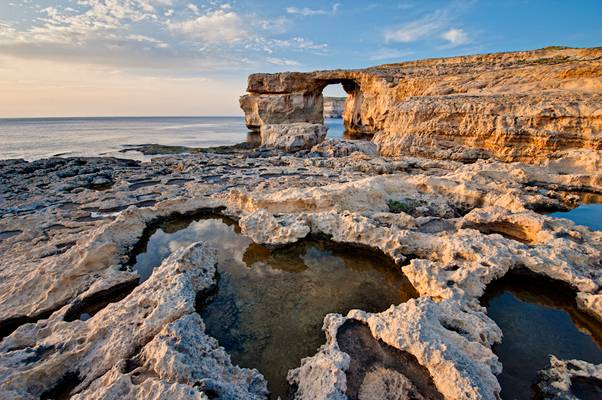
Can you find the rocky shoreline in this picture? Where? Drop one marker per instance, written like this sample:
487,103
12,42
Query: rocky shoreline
455,214
69,225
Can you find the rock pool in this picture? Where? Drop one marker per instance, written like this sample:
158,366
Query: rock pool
538,317
587,213
269,306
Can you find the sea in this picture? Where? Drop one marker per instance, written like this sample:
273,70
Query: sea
36,138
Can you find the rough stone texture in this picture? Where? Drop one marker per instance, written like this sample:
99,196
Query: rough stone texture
159,316
334,107
343,148
452,228
558,381
94,261
523,106
292,137
423,329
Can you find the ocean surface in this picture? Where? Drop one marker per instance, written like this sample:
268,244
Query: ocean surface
35,138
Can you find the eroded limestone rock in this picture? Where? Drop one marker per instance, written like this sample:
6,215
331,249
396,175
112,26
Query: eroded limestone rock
292,137
452,228
158,317
426,331
570,380
342,148
522,106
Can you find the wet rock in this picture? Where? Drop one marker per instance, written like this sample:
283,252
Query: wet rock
570,379
158,316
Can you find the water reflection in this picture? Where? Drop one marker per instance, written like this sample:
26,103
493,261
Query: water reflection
589,215
538,318
181,232
335,126
270,304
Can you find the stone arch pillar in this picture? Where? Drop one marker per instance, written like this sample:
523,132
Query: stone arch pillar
293,102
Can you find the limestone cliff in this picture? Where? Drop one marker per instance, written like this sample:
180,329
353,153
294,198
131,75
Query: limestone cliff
520,106
333,107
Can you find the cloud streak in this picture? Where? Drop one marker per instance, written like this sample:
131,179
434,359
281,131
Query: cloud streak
218,26
307,12
174,35
436,25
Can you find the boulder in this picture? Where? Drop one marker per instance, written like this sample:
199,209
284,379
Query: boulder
292,137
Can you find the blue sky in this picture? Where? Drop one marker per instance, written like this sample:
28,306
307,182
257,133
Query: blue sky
191,57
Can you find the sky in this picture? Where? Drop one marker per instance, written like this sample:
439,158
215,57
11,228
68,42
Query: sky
192,57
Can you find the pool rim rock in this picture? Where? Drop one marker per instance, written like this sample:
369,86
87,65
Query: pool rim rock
449,267
203,299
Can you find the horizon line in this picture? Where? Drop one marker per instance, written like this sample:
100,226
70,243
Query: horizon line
122,116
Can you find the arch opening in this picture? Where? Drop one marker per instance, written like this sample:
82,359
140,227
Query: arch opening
334,98
342,100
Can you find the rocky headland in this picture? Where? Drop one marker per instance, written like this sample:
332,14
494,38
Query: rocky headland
525,106
334,107
467,156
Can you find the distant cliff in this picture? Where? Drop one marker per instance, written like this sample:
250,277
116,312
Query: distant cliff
520,106
333,107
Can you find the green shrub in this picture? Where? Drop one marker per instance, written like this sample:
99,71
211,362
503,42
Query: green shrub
407,206
555,47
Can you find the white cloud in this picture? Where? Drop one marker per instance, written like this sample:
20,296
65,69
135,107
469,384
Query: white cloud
193,8
284,62
299,44
456,37
141,39
389,54
214,27
305,11
302,43
115,33
274,25
413,31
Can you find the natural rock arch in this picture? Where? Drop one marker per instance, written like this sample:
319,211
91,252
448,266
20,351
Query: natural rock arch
289,98
524,106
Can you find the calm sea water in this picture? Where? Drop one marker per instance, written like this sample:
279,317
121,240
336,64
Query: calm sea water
35,138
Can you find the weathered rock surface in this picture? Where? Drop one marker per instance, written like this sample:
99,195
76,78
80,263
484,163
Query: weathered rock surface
334,107
158,316
452,228
292,137
342,148
524,106
423,329
571,380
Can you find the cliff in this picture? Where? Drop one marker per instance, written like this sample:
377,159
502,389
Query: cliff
334,107
520,106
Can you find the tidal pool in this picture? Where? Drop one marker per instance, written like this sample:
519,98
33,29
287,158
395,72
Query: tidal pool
269,307
587,213
538,317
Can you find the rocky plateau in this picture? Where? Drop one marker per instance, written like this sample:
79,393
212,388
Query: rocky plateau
466,154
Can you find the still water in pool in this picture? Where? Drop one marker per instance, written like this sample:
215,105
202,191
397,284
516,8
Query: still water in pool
270,304
587,213
538,318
